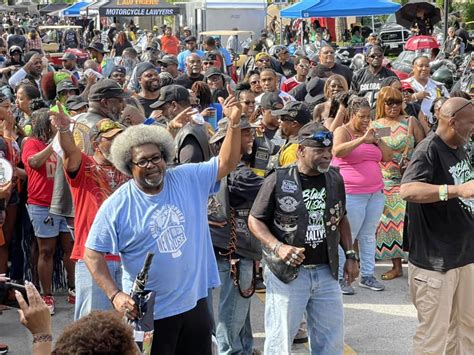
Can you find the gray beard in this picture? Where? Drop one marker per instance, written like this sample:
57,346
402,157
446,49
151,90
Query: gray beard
321,170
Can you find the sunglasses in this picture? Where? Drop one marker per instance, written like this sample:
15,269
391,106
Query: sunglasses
255,82
248,102
323,137
303,66
266,60
391,102
208,63
373,56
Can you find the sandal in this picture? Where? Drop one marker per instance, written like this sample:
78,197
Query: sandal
392,274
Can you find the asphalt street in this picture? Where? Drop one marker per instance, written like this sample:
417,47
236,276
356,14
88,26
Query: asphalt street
375,322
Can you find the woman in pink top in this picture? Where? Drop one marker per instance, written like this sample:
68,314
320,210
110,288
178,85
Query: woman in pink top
357,151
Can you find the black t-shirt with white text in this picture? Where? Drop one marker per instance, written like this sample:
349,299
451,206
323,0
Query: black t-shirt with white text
441,234
314,197
366,84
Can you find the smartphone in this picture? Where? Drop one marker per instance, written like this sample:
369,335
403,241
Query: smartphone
8,294
383,132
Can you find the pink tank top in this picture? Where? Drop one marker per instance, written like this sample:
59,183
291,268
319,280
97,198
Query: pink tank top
360,169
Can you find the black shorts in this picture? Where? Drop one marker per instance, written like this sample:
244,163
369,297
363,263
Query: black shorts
188,333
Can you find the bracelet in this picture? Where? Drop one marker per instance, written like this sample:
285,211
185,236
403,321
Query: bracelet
276,247
351,251
443,192
236,125
114,295
42,338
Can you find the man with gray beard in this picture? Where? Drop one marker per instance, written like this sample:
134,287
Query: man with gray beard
299,216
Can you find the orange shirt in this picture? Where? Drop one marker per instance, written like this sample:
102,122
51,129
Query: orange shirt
170,45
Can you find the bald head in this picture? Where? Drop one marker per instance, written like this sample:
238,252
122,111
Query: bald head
456,122
455,107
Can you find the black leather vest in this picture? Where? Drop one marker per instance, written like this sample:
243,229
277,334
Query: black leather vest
197,131
219,211
291,219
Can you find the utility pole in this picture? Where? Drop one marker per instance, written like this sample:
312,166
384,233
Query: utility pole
446,25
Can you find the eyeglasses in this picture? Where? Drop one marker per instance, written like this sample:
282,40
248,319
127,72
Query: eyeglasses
392,102
143,163
264,60
255,82
462,107
322,137
248,102
208,63
373,56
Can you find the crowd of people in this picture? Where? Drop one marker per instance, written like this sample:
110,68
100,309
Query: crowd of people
283,175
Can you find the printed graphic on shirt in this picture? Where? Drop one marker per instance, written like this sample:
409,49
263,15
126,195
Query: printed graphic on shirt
315,202
288,203
461,173
167,228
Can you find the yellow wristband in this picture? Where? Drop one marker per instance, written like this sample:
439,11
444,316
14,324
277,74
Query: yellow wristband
443,192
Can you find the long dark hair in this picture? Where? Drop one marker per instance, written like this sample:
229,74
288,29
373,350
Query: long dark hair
41,125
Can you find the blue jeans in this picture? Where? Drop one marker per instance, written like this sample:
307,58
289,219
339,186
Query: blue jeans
363,212
89,296
234,331
314,291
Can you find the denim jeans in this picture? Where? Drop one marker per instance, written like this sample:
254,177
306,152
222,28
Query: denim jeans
234,331
89,296
314,291
363,212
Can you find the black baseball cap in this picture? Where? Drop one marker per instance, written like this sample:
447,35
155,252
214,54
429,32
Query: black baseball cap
190,39
143,67
65,85
208,56
212,71
297,110
270,100
68,56
168,59
106,89
75,102
314,134
118,69
171,93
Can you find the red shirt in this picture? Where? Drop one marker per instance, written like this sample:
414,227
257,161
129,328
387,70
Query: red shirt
90,187
41,181
289,84
170,45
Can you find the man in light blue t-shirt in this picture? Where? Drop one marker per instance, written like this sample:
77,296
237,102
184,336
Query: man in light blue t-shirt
164,212
191,47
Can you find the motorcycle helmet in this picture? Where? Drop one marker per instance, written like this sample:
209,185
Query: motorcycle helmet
445,76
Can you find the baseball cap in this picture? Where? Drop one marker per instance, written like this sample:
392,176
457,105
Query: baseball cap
270,101
212,71
65,85
223,126
143,67
186,28
190,39
297,110
118,69
75,102
168,59
106,128
407,87
314,134
69,56
255,47
106,89
171,93
261,55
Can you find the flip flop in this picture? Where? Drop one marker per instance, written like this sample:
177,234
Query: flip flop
390,275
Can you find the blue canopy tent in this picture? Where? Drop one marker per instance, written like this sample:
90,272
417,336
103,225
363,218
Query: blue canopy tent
339,8
75,10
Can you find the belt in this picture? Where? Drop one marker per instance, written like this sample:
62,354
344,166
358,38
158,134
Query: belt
313,266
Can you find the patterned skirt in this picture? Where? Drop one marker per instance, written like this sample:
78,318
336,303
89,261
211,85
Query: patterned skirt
389,234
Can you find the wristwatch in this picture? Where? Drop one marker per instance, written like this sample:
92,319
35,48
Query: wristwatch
351,254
